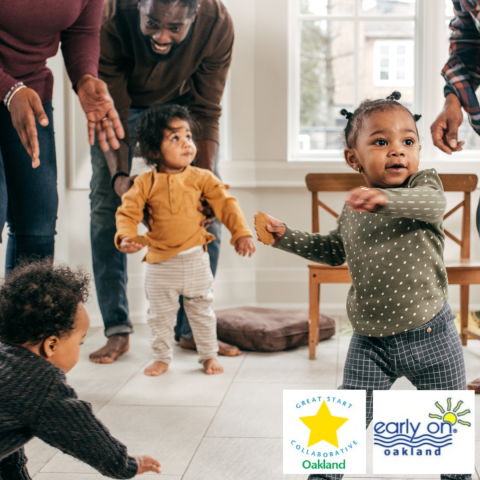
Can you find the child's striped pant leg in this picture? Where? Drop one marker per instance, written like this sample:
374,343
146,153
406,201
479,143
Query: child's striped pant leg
162,284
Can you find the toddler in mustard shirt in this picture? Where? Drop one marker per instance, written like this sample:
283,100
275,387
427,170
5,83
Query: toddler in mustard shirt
178,263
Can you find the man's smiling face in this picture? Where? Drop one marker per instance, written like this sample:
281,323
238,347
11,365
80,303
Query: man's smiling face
164,27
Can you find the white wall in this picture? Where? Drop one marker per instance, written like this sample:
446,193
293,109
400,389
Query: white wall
258,172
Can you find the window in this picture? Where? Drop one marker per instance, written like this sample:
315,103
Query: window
393,63
343,51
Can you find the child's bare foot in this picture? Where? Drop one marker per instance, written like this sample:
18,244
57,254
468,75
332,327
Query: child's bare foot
212,367
156,369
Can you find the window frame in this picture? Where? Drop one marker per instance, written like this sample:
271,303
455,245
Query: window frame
431,51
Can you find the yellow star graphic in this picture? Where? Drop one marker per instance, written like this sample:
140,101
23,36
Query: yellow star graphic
323,426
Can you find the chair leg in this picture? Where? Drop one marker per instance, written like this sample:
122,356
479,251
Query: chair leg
314,302
464,291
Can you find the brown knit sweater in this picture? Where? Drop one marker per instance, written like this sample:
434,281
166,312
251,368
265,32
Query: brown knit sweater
35,401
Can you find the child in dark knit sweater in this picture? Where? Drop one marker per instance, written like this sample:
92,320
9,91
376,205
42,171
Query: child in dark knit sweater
43,322
391,236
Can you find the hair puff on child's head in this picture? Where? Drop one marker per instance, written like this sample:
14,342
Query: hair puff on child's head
356,118
150,129
39,300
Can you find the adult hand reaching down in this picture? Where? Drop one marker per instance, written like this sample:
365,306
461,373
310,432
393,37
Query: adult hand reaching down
25,106
445,128
101,114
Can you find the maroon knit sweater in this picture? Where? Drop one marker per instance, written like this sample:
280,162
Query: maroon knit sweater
30,32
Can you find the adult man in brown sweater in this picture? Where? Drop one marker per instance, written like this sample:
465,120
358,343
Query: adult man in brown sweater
153,51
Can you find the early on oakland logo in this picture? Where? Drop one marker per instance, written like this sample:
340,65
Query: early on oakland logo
324,431
430,437
423,432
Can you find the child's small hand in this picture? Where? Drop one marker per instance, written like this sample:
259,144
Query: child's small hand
276,228
147,464
126,246
365,199
245,245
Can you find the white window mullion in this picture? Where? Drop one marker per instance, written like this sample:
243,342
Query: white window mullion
356,53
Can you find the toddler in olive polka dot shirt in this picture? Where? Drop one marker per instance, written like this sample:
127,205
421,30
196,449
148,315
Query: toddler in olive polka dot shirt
390,234
395,257
392,238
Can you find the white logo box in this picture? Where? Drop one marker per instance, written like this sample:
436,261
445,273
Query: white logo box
324,431
423,432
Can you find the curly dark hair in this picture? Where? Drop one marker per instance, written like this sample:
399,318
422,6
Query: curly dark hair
356,118
39,299
191,4
150,129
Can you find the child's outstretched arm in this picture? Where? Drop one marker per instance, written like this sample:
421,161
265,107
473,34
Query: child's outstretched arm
423,199
67,423
130,213
14,467
227,210
327,249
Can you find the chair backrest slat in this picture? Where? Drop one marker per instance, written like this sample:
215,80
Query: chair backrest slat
343,182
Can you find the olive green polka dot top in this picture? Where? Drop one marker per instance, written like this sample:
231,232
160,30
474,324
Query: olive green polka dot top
394,256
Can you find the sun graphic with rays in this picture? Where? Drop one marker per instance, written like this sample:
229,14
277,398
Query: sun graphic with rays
449,415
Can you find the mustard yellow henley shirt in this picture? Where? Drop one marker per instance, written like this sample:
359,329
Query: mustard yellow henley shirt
174,200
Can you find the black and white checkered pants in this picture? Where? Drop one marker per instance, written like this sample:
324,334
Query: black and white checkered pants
431,360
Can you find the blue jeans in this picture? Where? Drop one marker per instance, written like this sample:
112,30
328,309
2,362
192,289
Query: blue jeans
28,196
109,264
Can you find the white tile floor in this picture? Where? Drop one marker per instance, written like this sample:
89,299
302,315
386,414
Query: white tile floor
224,427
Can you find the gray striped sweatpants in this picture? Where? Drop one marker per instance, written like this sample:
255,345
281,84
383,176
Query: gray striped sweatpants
189,275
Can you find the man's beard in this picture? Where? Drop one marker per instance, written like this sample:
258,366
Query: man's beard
158,57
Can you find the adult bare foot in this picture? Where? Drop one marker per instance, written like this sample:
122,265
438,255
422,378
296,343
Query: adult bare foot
212,367
228,350
474,385
156,369
116,346
224,349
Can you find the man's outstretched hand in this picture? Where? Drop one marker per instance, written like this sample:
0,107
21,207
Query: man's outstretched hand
207,210
100,111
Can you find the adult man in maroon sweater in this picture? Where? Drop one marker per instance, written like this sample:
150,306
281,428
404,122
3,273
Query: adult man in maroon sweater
153,51
30,33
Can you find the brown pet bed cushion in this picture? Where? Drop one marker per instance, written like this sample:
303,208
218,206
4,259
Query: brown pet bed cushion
268,330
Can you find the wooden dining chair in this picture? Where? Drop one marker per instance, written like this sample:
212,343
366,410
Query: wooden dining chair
461,272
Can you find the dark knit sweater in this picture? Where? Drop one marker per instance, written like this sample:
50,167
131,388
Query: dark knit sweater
35,401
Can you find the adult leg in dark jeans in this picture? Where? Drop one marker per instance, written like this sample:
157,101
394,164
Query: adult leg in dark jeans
28,196
109,263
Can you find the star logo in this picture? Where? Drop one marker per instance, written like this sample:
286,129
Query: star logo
323,426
